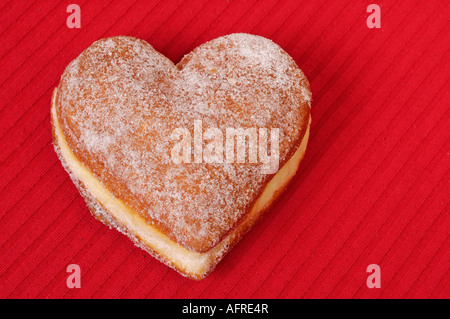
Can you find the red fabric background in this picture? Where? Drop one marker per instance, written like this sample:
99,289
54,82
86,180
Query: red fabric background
373,187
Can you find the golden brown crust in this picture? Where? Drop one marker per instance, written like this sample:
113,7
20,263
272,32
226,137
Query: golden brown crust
111,77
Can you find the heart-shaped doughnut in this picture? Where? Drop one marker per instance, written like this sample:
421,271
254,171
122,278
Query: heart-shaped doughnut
182,158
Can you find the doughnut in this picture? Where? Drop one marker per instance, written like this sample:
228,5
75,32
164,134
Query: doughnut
115,114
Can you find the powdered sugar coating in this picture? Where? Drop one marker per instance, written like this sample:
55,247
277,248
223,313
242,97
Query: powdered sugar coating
120,100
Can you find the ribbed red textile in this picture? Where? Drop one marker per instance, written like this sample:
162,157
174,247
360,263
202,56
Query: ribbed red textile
373,187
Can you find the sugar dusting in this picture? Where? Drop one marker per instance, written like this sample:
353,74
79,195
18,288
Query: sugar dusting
120,100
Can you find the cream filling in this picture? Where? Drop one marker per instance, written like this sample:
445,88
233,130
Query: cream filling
190,262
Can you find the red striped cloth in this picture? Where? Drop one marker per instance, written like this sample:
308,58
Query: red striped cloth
372,189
